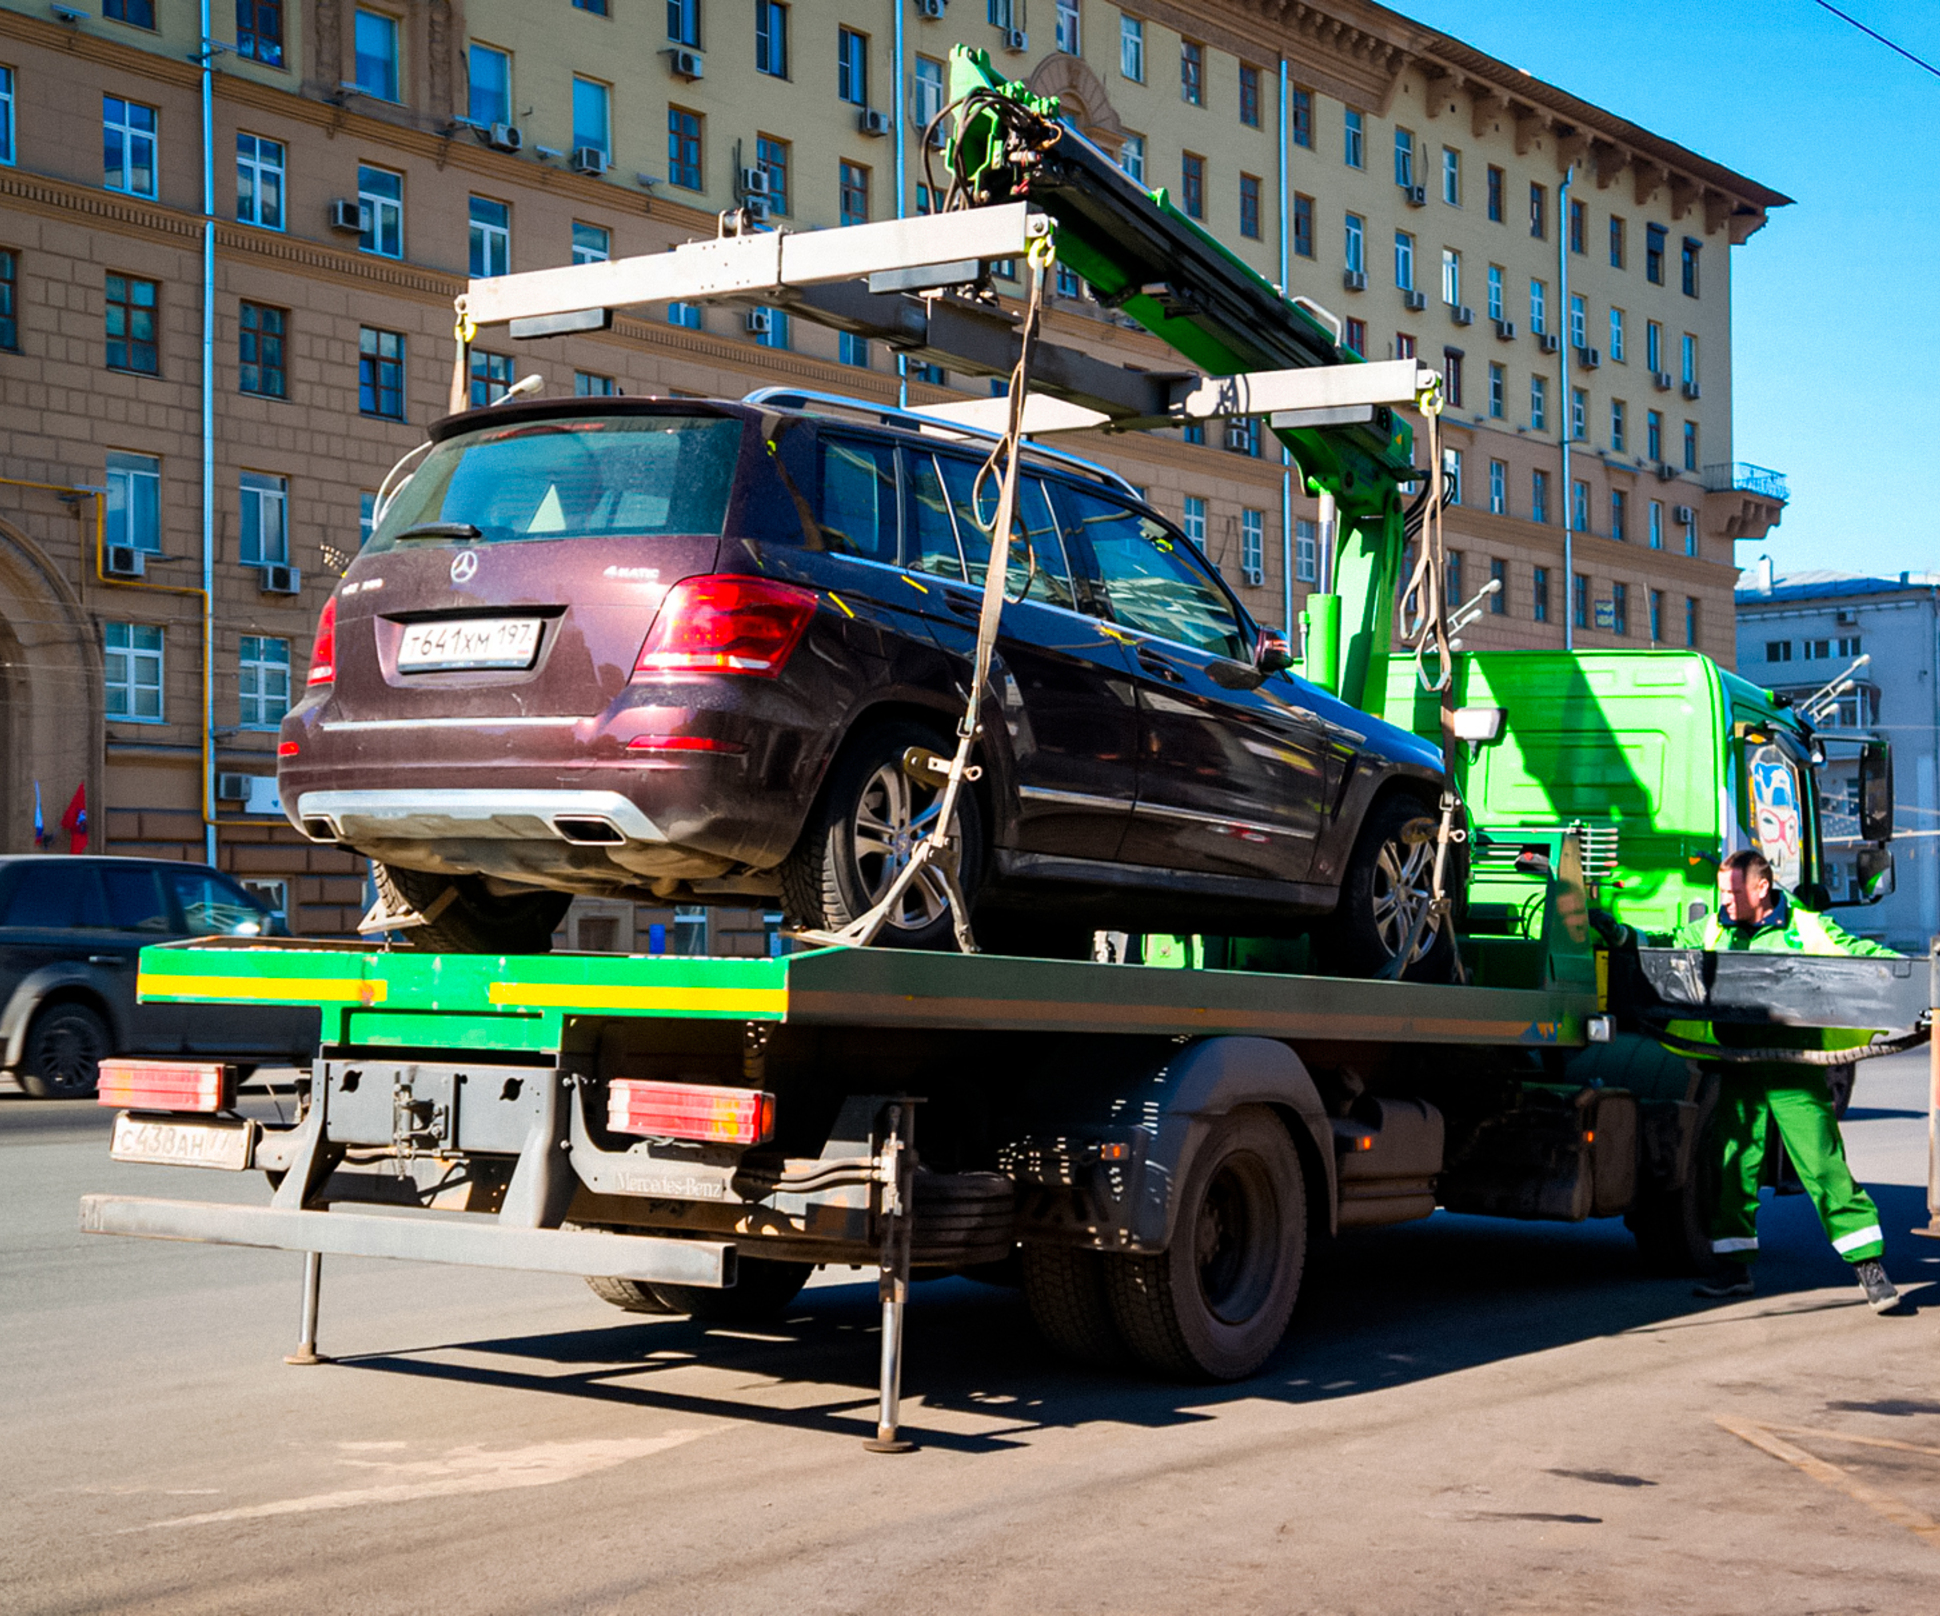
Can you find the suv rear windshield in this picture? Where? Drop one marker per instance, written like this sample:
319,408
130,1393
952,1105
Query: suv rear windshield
618,476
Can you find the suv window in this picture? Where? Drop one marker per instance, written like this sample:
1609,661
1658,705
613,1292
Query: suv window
55,896
1149,581
135,901
932,535
859,498
212,906
1045,571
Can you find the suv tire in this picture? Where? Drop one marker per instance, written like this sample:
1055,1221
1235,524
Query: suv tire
863,829
473,921
63,1054
1369,926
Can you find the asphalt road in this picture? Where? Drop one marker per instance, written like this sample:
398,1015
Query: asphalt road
1468,1416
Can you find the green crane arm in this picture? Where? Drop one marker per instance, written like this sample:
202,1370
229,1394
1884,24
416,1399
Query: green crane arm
1145,258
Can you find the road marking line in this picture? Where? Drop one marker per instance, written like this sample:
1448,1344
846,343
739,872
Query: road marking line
463,1470
1847,1436
1884,1503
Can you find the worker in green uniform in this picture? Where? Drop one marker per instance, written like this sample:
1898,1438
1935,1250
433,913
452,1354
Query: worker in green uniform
1756,915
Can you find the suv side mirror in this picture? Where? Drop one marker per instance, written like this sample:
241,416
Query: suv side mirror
1876,792
1272,654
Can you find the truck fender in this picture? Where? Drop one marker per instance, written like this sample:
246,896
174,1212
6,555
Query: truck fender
35,989
1207,1080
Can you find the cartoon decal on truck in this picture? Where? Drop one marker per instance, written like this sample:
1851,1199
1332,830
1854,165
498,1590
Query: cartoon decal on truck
1776,819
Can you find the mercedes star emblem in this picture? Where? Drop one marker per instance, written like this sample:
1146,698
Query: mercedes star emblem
464,566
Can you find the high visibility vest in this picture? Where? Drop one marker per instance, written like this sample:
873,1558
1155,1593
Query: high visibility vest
1806,925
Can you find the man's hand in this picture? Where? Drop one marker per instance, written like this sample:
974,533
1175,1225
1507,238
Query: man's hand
1605,925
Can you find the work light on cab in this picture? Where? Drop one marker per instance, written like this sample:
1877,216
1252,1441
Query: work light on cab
715,1116
725,624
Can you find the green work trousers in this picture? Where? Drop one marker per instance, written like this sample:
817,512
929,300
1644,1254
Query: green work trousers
1797,1100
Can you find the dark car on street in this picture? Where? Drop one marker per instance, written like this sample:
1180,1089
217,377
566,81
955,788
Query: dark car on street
678,649
71,934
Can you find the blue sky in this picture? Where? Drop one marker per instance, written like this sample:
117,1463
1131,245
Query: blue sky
1834,300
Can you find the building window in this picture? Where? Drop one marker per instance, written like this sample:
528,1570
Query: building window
1451,176
684,148
1192,72
777,334
1451,277
1539,212
771,38
1579,506
1539,403
366,517
265,520
1249,96
380,210
1617,425
684,23
854,193
852,67
259,351
259,182
1620,608
685,315
1404,345
1404,158
1690,360
771,156
1690,532
1690,622
1498,488
590,384
1191,432
1579,414
135,501
1616,336
491,377
380,373
1656,616
1498,392
1691,250
1452,377
1453,576
1300,115
593,117
491,238
376,46
1579,225
1653,435
134,671
1252,546
128,146
9,308
1538,307
1617,250
1653,346
597,7
1579,322
1356,340
491,86
1131,48
1306,551
929,90
1131,157
1619,516
1195,520
262,681
1067,283
136,13
1069,34
6,115
1249,206
1452,486
1580,601
131,307
1495,194
1539,595
1656,523
1404,261
1303,226
1495,292
1354,139
1499,576
1690,446
1539,496
853,350
1192,185
1356,244
592,244
1655,236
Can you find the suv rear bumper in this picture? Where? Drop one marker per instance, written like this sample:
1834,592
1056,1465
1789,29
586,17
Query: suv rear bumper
584,818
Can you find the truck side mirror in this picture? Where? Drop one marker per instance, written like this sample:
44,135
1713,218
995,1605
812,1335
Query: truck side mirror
1876,793
1872,874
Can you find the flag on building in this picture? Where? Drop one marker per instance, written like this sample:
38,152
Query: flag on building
75,820
40,820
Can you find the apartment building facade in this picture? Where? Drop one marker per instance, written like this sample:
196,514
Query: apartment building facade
206,392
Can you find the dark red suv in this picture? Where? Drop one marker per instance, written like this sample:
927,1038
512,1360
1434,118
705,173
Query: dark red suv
677,649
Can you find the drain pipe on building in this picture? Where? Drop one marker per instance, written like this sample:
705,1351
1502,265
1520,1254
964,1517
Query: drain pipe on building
207,58
897,90
1565,496
1286,457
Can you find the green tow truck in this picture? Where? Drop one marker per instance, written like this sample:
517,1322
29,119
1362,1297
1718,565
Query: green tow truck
1149,1153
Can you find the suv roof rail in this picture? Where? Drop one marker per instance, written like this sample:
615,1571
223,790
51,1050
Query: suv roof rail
807,399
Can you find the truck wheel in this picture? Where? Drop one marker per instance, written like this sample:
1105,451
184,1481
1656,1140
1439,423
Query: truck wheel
629,1295
1064,1287
862,831
1672,1227
63,1055
1215,1304
1390,876
473,921
760,1292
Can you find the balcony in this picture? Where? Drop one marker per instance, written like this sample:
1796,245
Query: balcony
1742,501
1742,478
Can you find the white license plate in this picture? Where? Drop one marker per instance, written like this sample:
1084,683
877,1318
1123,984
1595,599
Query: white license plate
474,642
225,1142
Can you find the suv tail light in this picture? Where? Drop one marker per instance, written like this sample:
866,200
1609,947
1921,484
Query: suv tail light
323,655
147,1085
726,624
690,1111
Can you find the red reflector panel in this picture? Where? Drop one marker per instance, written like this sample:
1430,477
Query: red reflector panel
288,748
323,654
725,624
690,1111
145,1085
682,743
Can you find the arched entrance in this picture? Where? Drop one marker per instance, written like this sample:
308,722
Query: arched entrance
1082,100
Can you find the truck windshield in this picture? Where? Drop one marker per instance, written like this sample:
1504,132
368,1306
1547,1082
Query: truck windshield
633,476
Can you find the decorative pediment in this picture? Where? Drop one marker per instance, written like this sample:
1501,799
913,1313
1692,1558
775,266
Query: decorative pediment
1081,99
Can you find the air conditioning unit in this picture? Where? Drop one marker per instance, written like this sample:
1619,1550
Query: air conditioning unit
232,788
1506,330
1464,315
281,579
1684,514
1417,195
1666,473
761,322
1548,341
124,561
1355,280
1016,41
1255,576
346,215
1417,301
1691,391
686,64
753,181
1589,358
589,160
1662,380
872,122
505,137
1239,437
932,10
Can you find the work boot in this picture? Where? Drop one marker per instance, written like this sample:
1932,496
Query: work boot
1881,1297
1734,1279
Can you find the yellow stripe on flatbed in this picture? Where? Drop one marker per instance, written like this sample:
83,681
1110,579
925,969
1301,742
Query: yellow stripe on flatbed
307,989
670,999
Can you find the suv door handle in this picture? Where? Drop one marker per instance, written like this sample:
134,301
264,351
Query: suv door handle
1153,663
963,605
106,959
